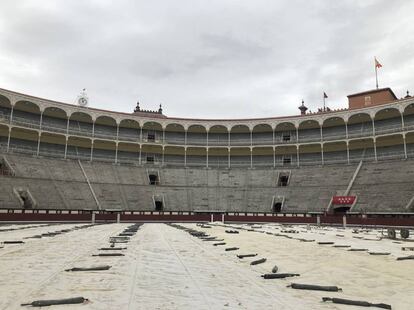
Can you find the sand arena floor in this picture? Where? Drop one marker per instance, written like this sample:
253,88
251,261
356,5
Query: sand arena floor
167,268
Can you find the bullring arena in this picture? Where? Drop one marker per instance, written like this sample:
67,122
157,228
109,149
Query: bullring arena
140,210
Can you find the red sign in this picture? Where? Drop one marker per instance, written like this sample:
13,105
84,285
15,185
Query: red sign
343,200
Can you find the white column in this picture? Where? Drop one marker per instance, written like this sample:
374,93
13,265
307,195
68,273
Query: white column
373,127
251,157
402,121
375,149
66,147
185,157
322,154
93,128
139,158
91,150
405,147
346,130
67,126
207,157
116,152
11,115
38,143
163,136
347,151
297,154
8,139
163,156
274,154
229,159
185,137
297,135
140,134
41,120
321,133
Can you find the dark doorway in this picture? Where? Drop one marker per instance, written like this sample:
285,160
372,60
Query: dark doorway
277,207
158,205
153,179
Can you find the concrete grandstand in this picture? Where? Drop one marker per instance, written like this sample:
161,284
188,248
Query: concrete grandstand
67,157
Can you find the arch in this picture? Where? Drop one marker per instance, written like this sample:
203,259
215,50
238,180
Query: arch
218,135
27,106
408,115
106,121
196,135
55,112
26,113
54,119
81,124
129,130
262,134
285,132
309,130
175,134
5,102
359,124
240,135
152,132
151,125
105,127
387,120
334,128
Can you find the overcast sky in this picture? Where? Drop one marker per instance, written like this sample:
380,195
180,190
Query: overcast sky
206,59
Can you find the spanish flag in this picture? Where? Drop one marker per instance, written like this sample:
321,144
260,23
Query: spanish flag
377,63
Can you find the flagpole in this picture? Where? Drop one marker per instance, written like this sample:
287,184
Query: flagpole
324,109
376,72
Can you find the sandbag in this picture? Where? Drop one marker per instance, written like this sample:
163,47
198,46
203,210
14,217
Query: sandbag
109,254
51,302
96,268
275,269
246,255
405,257
13,242
355,302
279,275
314,287
219,243
257,262
109,249
231,249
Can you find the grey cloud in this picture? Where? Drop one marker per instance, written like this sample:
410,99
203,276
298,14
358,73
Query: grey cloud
215,59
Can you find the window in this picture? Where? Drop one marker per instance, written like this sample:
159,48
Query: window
286,137
151,136
150,159
287,160
283,179
367,100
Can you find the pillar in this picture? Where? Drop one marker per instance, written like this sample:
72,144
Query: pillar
297,155
38,143
322,154
375,149
66,147
116,151
405,147
91,150
347,151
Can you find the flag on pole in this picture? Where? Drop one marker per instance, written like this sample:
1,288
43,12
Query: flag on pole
325,95
377,65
